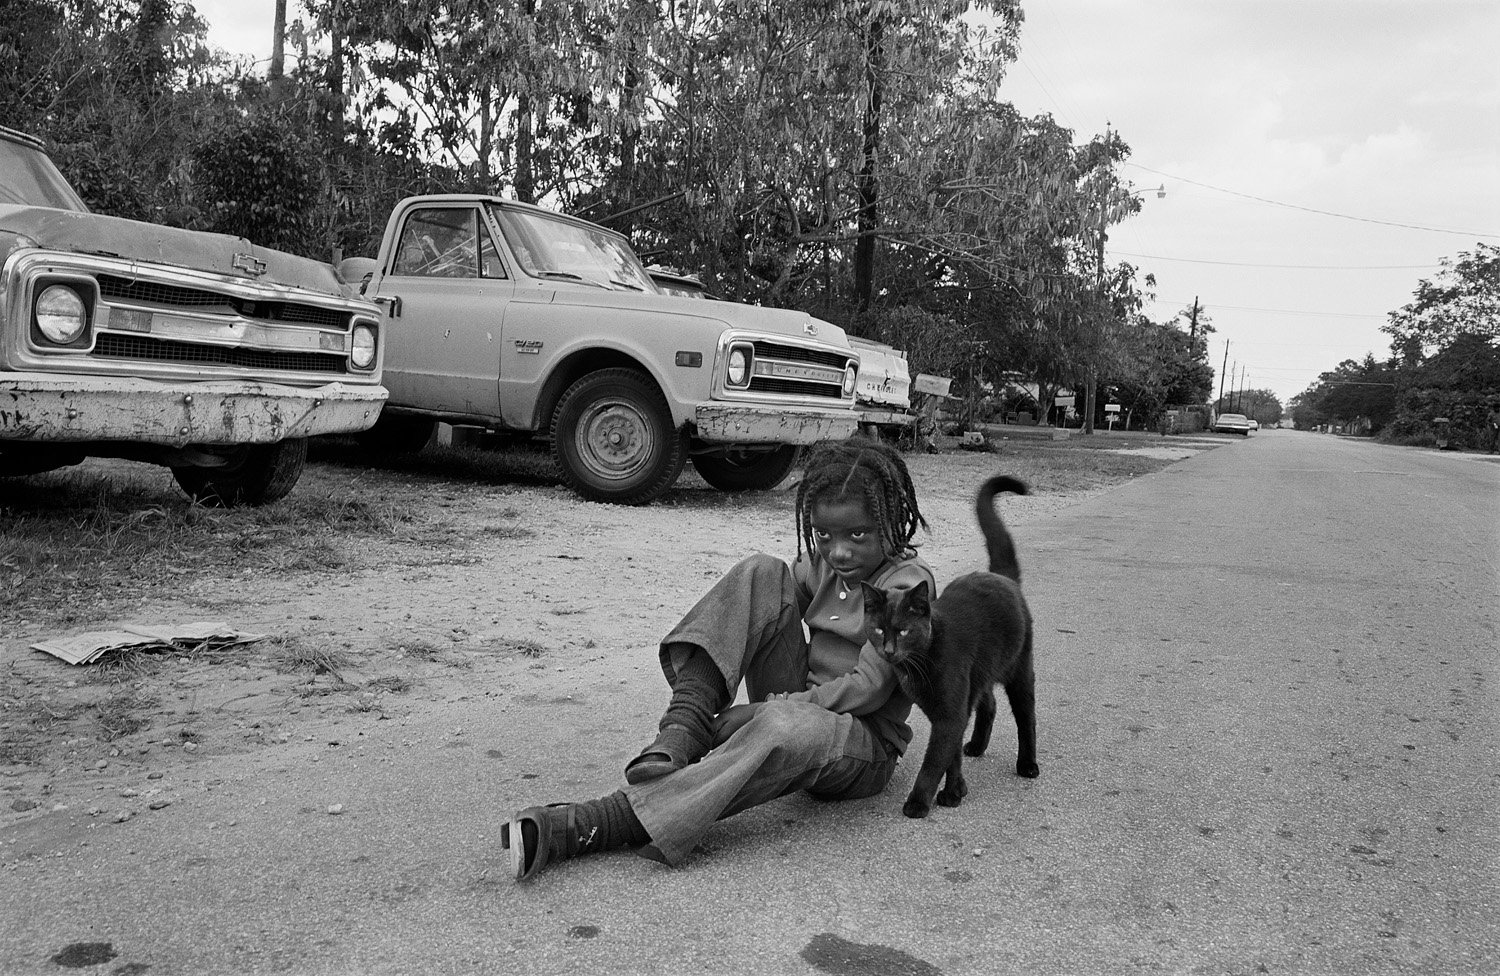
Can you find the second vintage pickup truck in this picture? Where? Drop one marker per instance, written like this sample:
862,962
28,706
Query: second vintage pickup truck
517,319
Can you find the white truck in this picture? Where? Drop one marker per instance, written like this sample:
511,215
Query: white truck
520,320
201,352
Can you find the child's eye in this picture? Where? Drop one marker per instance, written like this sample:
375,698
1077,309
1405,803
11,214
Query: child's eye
858,536
905,631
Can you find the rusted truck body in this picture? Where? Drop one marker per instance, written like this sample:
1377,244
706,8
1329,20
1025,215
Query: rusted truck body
201,352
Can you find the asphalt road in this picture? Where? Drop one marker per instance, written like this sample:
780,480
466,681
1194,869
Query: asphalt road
1269,717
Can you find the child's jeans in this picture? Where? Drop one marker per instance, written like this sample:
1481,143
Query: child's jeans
750,623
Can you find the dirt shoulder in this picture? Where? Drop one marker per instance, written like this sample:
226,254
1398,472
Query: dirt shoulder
389,593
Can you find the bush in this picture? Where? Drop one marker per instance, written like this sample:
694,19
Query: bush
256,178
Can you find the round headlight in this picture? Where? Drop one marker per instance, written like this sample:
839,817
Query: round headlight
61,314
739,367
362,347
851,374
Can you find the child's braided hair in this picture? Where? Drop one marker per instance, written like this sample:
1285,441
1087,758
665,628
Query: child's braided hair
871,471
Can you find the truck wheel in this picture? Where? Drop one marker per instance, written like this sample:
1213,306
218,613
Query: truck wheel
612,435
745,470
257,474
395,436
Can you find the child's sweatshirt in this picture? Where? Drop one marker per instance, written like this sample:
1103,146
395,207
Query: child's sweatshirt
844,673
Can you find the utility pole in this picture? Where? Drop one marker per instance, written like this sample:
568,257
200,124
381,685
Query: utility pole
1220,404
1092,379
1193,320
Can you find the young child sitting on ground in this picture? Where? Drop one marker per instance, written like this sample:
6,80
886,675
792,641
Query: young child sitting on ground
825,714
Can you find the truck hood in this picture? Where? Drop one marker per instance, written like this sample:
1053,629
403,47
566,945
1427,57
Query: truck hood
779,321
234,257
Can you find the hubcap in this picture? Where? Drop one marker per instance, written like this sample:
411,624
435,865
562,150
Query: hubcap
615,440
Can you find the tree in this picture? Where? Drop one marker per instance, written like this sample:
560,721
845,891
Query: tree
1464,298
1355,394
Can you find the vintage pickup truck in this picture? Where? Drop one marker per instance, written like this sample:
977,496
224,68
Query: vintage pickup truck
197,351
521,320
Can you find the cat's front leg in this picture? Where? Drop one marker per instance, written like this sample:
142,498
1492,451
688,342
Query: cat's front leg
943,745
956,787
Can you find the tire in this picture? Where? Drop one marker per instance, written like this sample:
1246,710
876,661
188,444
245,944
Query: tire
256,474
613,438
745,470
393,436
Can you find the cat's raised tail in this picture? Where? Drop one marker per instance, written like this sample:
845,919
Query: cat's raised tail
996,536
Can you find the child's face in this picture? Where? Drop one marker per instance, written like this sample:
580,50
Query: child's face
846,537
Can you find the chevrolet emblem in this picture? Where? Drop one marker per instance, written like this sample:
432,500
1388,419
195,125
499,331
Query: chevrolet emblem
249,264
810,328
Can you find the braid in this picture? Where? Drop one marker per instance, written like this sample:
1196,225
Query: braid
867,469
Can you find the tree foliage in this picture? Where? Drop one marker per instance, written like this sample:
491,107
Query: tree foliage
1444,364
853,158
1464,298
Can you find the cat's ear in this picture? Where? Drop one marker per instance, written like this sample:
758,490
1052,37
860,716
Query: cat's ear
919,600
874,595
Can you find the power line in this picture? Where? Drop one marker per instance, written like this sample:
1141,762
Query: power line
1307,267
1314,210
1278,311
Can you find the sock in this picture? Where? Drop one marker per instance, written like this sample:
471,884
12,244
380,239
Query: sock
607,823
698,694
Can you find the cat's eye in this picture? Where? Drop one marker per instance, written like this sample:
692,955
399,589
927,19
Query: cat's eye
880,630
905,631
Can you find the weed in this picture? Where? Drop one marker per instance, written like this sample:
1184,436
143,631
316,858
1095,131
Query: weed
524,646
508,531
293,655
421,650
122,715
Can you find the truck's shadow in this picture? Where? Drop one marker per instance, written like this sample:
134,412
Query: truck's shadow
521,464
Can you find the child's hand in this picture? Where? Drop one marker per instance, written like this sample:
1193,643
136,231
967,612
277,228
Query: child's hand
728,722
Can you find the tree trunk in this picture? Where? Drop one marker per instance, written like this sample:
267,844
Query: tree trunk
630,137
278,43
335,73
525,182
867,183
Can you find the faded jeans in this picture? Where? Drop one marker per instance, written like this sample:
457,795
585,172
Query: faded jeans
751,626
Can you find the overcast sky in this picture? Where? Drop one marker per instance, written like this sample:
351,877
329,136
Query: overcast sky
1320,157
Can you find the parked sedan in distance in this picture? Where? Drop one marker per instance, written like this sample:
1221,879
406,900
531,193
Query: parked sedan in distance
1232,423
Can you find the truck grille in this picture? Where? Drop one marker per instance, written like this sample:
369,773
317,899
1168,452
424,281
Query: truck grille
117,289
786,353
111,346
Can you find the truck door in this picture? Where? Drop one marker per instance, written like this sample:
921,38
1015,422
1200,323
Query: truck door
445,294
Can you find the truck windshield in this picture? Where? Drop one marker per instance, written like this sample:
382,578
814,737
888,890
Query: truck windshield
551,248
29,178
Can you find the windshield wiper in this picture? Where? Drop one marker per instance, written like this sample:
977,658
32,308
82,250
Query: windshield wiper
569,276
625,284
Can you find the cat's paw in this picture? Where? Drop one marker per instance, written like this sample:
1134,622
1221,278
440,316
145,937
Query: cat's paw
915,807
1028,769
948,798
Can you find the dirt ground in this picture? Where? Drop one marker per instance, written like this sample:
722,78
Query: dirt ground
502,588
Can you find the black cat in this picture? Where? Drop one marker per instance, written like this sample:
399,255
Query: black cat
950,653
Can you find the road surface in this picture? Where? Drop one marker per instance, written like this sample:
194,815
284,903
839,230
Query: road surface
1269,717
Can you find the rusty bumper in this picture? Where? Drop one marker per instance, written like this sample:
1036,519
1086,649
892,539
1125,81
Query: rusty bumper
46,408
747,424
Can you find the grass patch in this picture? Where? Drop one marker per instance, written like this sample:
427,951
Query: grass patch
75,541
